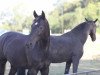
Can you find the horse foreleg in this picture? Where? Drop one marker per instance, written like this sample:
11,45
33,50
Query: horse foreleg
32,71
67,68
75,64
21,71
2,66
13,70
45,70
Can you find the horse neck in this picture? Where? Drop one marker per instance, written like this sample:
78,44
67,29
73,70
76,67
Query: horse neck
41,41
31,32
81,33
45,38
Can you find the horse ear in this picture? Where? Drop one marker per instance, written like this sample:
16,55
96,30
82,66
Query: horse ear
95,21
86,19
43,15
35,14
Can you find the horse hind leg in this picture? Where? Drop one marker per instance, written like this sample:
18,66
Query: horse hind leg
21,71
2,66
32,71
13,70
45,71
67,68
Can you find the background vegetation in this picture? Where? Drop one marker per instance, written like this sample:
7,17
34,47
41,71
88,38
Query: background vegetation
68,15
65,15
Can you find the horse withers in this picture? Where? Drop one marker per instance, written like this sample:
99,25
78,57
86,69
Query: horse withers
15,47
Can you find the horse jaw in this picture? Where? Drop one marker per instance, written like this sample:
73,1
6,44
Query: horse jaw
93,37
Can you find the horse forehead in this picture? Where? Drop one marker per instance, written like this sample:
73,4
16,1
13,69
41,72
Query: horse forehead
35,22
38,18
91,23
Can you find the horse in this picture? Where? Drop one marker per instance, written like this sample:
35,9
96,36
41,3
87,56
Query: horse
15,47
68,47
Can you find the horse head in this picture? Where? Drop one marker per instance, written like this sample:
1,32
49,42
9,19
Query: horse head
40,29
38,42
92,32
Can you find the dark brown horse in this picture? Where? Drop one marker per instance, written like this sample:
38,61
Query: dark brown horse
69,46
15,47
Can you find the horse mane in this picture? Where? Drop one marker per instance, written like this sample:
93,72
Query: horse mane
79,27
76,29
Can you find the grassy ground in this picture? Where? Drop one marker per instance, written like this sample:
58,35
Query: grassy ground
90,60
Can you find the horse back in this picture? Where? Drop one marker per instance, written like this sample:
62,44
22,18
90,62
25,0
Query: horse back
13,47
3,39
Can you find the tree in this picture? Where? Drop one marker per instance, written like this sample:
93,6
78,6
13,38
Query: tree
73,14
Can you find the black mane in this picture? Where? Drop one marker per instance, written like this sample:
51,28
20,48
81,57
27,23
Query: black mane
79,27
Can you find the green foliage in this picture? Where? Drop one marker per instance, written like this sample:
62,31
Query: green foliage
98,30
71,14
91,11
18,21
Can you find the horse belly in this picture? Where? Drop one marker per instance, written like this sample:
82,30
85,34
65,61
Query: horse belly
59,58
59,54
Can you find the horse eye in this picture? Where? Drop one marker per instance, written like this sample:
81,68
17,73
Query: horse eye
36,23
